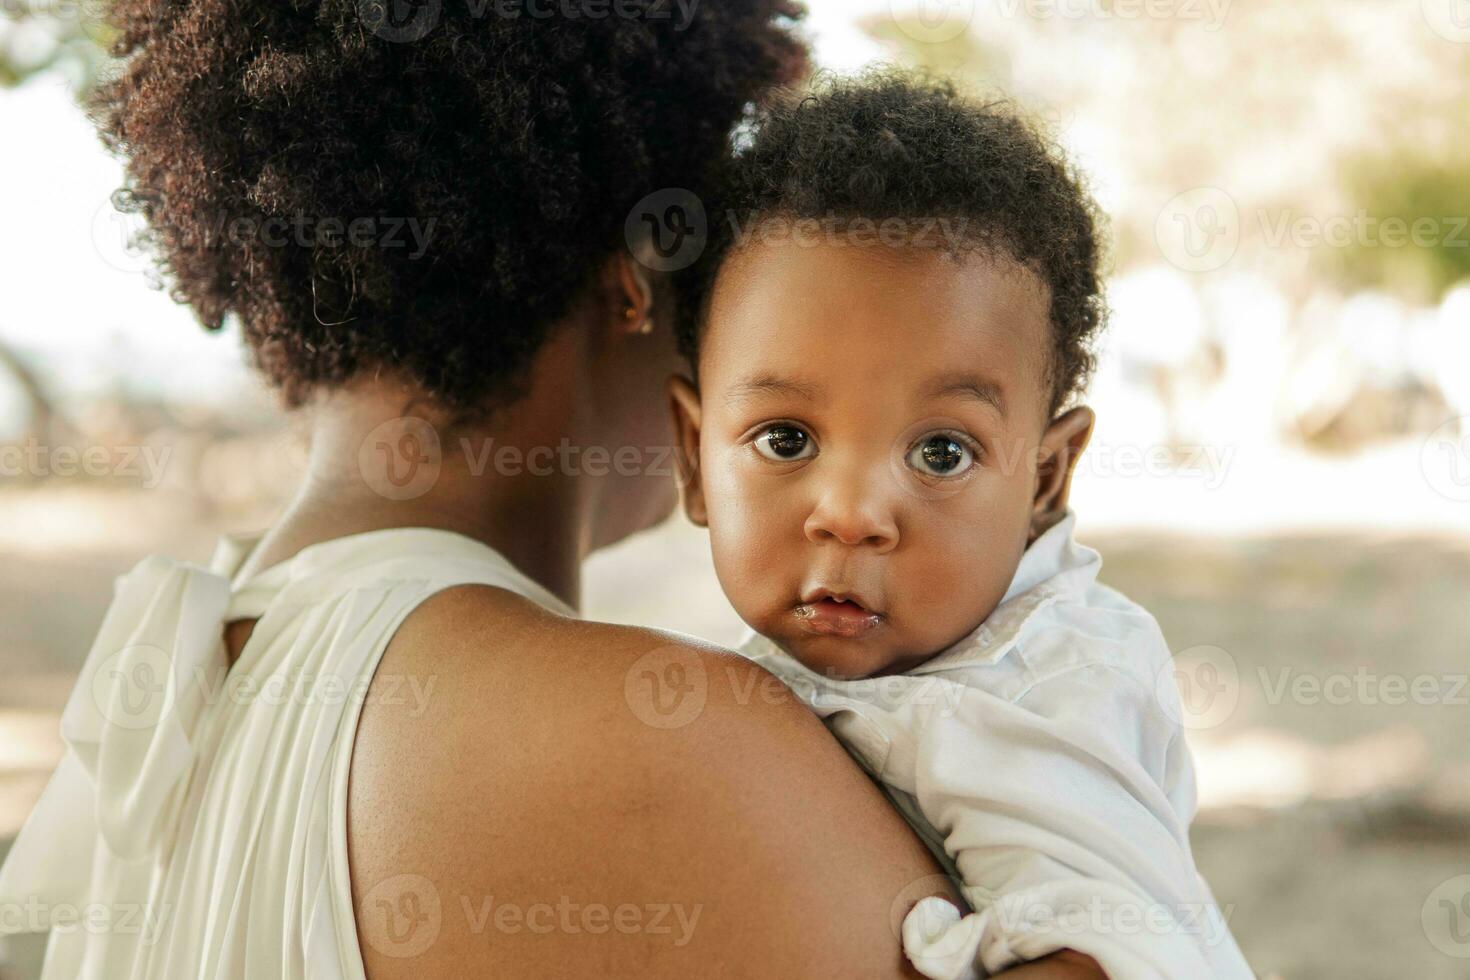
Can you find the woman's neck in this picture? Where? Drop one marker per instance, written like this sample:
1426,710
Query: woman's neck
377,461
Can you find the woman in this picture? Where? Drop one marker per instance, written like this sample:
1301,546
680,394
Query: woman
408,757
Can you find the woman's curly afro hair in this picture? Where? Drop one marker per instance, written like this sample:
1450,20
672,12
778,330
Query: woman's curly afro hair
893,144
514,137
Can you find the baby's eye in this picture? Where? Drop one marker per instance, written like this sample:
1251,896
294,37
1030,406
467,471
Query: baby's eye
941,455
783,443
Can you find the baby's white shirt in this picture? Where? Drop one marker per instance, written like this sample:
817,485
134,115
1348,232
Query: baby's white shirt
1042,759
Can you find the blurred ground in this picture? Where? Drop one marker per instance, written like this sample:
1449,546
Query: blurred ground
1326,821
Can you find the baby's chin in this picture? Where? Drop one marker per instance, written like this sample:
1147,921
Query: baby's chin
873,650
841,657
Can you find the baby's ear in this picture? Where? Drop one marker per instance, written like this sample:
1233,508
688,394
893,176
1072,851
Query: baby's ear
684,402
1056,460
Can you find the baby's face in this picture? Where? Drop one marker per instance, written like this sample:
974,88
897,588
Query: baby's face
868,425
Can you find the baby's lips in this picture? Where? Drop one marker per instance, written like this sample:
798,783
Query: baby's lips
861,599
827,617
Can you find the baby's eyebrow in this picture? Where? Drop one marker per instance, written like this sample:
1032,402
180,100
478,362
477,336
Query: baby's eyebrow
770,384
970,385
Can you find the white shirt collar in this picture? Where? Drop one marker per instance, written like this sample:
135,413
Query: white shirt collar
1053,567
1055,556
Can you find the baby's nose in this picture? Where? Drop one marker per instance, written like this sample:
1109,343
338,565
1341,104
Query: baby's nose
850,515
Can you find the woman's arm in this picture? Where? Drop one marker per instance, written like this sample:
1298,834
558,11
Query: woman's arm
555,824
563,826
1065,965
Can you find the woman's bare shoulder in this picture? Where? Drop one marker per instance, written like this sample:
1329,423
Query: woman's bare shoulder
576,796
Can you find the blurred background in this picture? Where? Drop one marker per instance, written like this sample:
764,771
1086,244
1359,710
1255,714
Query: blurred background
1281,471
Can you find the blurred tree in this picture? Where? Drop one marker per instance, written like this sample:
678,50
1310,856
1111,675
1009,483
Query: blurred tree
65,37
1420,263
69,39
1305,125
1295,108
955,51
42,420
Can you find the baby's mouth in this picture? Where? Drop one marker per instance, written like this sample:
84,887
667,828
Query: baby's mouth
829,614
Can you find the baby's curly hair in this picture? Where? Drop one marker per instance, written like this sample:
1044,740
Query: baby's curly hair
255,135
895,144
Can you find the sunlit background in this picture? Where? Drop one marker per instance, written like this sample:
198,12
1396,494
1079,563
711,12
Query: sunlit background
1281,471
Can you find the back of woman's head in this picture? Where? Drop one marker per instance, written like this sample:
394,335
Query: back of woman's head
427,194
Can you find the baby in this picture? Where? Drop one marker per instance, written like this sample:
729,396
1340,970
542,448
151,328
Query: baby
898,297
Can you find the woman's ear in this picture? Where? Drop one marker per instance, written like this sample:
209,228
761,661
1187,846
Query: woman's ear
684,402
1061,446
634,293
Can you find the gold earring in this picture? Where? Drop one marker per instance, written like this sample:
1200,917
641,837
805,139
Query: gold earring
646,326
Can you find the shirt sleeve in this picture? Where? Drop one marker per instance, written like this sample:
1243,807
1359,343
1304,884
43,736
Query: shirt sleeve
1066,811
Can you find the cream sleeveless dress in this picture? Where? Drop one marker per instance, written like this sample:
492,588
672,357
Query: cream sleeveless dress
197,824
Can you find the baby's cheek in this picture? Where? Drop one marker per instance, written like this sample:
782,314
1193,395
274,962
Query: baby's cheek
749,556
750,515
955,583
734,523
